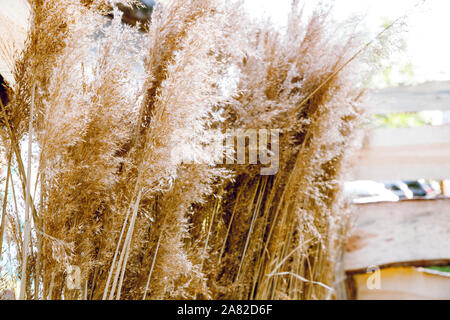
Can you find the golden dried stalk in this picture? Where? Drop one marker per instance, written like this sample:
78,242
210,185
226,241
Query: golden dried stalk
119,200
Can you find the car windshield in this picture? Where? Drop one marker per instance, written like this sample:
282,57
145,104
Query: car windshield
414,185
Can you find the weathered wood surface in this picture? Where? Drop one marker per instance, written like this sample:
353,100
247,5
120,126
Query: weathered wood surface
405,154
403,284
401,233
426,96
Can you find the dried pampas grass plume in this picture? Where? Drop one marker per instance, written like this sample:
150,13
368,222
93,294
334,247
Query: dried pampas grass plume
131,202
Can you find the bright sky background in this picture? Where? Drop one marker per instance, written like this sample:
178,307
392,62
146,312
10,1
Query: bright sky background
427,31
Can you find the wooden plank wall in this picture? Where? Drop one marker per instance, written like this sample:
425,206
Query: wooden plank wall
433,95
407,233
403,284
407,153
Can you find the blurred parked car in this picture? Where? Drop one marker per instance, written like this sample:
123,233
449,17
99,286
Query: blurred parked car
421,189
436,186
400,189
360,192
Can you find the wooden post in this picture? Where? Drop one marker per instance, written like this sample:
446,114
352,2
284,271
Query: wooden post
443,188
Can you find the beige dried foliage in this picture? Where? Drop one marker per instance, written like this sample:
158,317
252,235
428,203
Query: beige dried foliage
118,198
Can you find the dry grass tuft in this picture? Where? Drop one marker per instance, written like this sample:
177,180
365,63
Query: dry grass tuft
119,207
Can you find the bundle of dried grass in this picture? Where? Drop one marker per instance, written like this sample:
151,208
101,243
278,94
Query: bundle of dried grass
279,237
132,202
